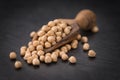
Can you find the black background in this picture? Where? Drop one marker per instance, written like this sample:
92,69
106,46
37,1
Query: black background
19,18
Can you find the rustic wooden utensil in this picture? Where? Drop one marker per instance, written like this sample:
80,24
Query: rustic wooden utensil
85,20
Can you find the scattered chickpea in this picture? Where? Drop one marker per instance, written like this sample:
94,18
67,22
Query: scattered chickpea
34,56
86,46
29,60
64,57
51,38
91,53
43,38
12,55
34,52
42,58
95,29
56,53
18,64
84,39
50,33
74,45
68,46
39,47
54,29
47,45
31,48
56,21
48,54
29,43
32,34
26,56
35,43
78,37
54,57
48,59
59,29
23,50
58,33
63,25
40,33
67,30
40,52
75,41
61,53
51,23
45,28
72,59
36,62
64,49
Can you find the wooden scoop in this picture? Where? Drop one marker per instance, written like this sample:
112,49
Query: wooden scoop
85,20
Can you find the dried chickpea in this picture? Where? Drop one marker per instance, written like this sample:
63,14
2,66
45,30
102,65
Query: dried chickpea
54,29
72,59
56,53
45,28
34,52
48,54
43,38
63,35
42,43
40,33
78,37
86,46
51,38
59,29
58,33
61,53
40,52
56,21
58,38
12,55
36,62
50,33
47,45
39,47
23,47
26,56
75,41
42,58
54,57
35,43
84,39
34,56
67,30
63,25
53,43
29,43
95,29
91,53
31,48
68,46
48,59
74,45
29,60
51,23
64,49
64,57
18,64
32,34
23,50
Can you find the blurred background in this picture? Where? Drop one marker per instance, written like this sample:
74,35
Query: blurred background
19,17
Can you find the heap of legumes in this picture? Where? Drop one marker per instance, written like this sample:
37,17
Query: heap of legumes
46,37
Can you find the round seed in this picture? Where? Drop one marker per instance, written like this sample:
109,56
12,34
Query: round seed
36,62
12,55
72,59
86,46
18,64
91,53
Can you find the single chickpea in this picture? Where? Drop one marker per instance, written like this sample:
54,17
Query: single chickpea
39,47
51,23
72,59
42,58
26,56
50,33
68,46
40,52
32,34
34,52
74,45
91,53
42,43
43,38
84,39
45,28
61,53
53,43
63,35
48,54
57,50
36,62
75,41
29,60
64,57
54,57
56,21
66,30
23,47
58,38
54,28
23,50
31,48
51,38
29,43
34,56
47,45
78,37
64,49
48,59
12,55
86,46
59,29
95,29
40,33
56,53
18,64
58,33
63,25
35,43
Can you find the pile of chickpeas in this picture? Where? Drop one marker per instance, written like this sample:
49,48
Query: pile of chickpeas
47,37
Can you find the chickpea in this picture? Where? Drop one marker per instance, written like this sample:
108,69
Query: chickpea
95,29
39,47
51,38
68,46
54,29
54,57
56,53
61,53
31,48
78,37
57,50
53,43
47,45
72,59
43,38
58,38
91,53
67,30
74,45
63,35
34,56
32,34
36,62
12,55
75,41
45,28
64,57
42,43
18,64
40,52
48,59
84,39
40,33
42,58
34,52
29,43
23,50
51,23
23,47
48,54
50,33
26,56
86,46
56,21
35,43
63,25
59,29
35,37
64,49
58,33
29,60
